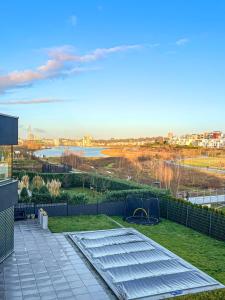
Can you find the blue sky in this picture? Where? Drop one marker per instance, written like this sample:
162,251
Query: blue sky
113,68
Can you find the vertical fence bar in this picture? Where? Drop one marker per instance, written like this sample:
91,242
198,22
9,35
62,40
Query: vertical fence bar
97,207
167,209
210,223
187,213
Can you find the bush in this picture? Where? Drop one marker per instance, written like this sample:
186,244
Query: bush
79,198
37,182
24,196
63,197
41,196
44,190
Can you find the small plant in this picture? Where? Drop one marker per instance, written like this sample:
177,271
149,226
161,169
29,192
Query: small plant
25,179
37,182
54,187
24,182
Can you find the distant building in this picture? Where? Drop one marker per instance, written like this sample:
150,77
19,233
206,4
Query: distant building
170,135
87,141
216,134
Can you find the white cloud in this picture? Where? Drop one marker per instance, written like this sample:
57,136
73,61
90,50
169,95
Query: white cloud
182,42
62,62
31,101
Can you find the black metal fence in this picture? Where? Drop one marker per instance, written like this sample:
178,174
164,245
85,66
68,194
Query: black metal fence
64,209
202,220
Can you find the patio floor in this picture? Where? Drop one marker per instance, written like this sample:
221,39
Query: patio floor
46,266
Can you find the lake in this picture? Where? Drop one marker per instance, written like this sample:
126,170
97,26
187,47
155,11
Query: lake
81,151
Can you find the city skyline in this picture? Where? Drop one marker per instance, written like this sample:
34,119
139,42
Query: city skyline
113,69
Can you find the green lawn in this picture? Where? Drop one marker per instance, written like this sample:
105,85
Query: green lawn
92,195
203,252
80,223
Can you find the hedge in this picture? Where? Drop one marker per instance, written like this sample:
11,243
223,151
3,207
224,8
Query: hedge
99,182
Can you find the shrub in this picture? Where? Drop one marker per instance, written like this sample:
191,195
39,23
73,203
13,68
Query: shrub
44,190
24,196
63,197
79,198
24,182
37,182
41,196
54,187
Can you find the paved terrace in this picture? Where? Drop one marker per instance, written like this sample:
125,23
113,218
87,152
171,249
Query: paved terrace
46,266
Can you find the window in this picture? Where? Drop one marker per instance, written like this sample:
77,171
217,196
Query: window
5,162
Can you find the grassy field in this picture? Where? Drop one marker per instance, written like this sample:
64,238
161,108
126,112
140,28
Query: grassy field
210,162
202,251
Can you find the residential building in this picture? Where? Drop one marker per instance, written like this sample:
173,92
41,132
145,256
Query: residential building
8,186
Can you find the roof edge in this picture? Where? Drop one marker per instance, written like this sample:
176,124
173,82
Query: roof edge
5,115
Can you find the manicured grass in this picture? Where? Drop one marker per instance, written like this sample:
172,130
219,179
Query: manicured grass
80,223
202,251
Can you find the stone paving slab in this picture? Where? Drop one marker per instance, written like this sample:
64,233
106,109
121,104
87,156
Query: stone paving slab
46,266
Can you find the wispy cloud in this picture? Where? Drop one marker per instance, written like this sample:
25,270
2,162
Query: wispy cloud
73,20
32,101
60,62
182,42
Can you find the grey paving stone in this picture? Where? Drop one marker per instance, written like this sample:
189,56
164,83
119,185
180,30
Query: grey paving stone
64,294
45,266
86,297
80,291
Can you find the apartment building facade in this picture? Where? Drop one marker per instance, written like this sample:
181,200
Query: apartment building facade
8,186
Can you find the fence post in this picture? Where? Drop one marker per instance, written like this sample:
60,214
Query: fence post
97,207
67,213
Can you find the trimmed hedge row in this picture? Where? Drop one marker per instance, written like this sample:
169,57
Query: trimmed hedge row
47,198
99,182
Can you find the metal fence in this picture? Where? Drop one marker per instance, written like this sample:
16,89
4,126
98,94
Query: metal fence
202,220
115,208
